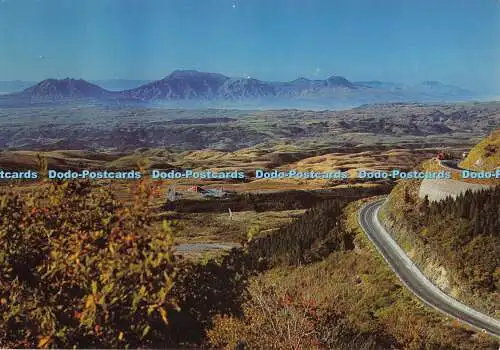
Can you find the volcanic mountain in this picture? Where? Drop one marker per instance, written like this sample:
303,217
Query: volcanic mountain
192,84
180,85
54,89
188,87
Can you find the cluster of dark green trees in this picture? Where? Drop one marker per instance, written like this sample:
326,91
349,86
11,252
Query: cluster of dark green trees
481,210
466,232
308,238
315,234
463,233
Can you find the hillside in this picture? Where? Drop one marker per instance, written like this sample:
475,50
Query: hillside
455,241
73,126
338,294
485,155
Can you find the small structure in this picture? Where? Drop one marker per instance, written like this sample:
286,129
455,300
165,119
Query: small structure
171,194
196,188
213,193
208,192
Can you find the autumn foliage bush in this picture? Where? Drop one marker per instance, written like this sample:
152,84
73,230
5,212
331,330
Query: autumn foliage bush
273,319
77,268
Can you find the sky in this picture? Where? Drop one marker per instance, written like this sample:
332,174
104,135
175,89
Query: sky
407,41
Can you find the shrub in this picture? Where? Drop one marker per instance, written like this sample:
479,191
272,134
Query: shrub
77,268
272,320
204,290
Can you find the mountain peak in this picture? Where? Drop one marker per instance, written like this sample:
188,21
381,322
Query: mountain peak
64,81
193,74
301,80
335,80
432,83
437,87
183,72
65,88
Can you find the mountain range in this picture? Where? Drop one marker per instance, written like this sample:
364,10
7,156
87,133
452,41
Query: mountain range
190,86
108,84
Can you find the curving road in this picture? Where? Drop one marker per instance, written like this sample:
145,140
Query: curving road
414,279
450,164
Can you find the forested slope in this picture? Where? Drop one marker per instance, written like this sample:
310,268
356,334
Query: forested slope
455,241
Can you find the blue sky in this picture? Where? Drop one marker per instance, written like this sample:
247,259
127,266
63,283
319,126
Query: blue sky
454,41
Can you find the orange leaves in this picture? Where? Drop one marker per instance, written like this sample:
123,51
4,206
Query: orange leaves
163,314
90,303
92,253
274,319
36,210
286,300
130,238
115,231
44,342
456,323
156,189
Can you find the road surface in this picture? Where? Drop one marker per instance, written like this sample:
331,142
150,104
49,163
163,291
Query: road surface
185,248
450,164
414,279
437,190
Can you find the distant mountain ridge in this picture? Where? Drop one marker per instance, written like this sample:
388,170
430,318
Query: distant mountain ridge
119,84
64,89
192,85
14,86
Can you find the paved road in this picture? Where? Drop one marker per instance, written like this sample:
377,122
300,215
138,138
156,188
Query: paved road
451,165
185,248
437,190
414,279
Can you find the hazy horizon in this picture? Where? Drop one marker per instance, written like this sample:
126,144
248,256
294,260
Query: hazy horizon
454,42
